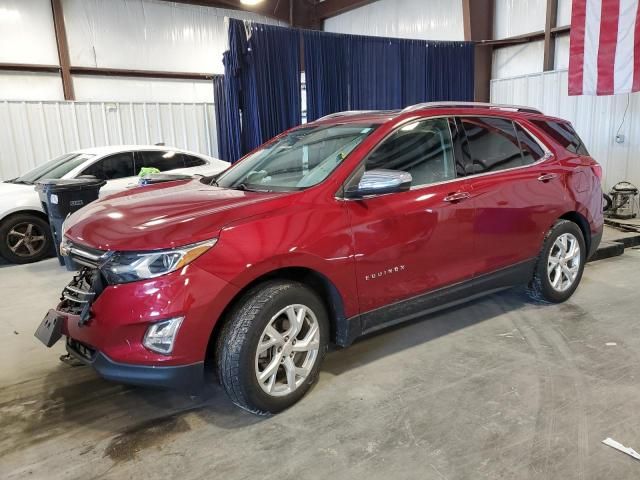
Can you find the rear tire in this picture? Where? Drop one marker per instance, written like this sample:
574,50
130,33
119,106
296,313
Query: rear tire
559,267
271,347
25,238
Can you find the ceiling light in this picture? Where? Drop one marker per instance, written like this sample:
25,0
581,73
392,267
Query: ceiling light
250,2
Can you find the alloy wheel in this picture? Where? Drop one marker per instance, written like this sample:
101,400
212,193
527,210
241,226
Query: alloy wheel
563,264
287,350
26,239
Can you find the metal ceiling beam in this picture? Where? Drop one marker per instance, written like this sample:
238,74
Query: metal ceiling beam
477,17
63,50
331,8
549,38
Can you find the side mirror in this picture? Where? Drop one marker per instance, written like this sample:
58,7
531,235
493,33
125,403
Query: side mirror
380,182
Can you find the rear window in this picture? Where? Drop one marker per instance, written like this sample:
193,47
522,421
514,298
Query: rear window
564,134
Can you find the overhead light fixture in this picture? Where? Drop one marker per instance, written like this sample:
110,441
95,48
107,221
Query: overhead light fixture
250,2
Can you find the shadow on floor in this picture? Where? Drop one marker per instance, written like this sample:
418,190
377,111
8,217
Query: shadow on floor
71,398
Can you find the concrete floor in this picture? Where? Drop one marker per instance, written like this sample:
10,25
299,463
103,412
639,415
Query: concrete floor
500,388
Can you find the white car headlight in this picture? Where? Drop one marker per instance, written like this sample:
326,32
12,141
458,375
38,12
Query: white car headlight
124,267
161,336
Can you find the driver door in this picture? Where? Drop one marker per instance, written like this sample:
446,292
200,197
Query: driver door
413,242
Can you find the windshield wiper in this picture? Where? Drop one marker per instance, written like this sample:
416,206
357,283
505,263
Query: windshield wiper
243,187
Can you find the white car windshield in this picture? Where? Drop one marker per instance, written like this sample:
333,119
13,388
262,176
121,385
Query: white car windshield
299,160
56,168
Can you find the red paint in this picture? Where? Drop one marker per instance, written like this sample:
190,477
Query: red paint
636,53
576,46
607,46
415,240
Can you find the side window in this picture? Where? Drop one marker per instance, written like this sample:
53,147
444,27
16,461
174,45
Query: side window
564,134
161,159
423,148
531,149
119,165
492,145
191,161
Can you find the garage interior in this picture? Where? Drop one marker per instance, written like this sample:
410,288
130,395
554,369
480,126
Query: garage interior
501,387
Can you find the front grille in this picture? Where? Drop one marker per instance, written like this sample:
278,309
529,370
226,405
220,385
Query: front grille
80,350
81,292
83,255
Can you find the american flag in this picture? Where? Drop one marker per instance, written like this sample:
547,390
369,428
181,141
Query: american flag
604,53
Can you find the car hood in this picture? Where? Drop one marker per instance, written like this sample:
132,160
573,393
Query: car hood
164,216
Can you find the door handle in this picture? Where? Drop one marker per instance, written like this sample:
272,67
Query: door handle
456,197
546,177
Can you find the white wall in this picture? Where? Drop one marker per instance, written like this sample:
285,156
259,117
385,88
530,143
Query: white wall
517,17
34,132
596,119
26,32
125,34
420,19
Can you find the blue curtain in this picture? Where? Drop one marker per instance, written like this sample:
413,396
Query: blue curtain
343,72
376,73
261,84
351,72
274,66
326,68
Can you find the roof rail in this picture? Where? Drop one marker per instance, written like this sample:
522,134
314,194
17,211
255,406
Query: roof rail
353,112
492,106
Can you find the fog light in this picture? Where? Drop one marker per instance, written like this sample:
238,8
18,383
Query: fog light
161,336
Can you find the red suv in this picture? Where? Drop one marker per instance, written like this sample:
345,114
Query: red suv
330,231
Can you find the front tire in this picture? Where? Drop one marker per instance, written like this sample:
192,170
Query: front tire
25,238
272,344
560,264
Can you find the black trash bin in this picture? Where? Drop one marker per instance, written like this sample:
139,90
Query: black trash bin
62,197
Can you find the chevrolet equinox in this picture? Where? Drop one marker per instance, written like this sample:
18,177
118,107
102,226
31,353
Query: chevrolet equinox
332,230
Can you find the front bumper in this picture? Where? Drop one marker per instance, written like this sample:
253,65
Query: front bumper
110,340
178,377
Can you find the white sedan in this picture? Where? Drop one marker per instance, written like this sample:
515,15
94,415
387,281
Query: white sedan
25,236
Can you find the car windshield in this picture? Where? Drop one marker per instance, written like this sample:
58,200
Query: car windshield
298,160
56,168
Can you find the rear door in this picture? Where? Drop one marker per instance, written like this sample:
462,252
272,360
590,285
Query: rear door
516,187
412,242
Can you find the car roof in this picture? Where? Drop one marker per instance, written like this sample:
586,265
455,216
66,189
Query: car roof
126,148
437,108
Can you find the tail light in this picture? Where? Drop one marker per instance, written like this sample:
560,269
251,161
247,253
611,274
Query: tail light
597,169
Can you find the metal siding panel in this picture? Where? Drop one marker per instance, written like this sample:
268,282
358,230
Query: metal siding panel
596,119
37,131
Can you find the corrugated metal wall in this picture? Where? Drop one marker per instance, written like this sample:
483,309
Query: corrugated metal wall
34,132
596,119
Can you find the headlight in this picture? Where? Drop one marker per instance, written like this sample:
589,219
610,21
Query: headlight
124,267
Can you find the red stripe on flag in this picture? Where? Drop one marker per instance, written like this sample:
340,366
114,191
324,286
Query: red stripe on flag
636,54
576,46
607,50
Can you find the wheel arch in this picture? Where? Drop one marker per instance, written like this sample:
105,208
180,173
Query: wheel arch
36,213
316,281
581,221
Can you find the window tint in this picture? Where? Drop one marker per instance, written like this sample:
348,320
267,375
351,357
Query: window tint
564,134
423,148
161,159
115,166
531,149
492,145
191,161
